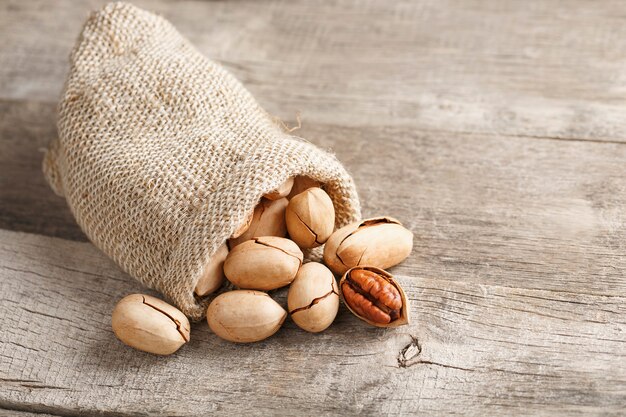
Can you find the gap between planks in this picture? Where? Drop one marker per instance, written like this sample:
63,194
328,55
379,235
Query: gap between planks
520,348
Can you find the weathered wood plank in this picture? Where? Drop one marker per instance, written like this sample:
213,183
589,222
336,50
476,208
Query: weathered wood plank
463,119
17,413
26,201
483,349
532,68
539,214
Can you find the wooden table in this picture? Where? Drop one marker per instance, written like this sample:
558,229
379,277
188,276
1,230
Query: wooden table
495,130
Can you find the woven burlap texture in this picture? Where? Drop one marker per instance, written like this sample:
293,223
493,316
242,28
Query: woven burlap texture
162,153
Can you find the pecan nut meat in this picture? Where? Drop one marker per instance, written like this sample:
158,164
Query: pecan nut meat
374,296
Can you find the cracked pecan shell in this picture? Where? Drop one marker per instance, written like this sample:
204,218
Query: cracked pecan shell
380,241
310,218
268,219
313,299
263,263
149,324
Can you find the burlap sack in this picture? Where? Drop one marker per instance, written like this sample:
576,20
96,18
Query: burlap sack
162,153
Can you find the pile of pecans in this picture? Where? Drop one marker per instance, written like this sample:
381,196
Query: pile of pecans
259,257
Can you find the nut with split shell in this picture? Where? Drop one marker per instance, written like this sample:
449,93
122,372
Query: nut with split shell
268,219
263,263
313,298
282,191
310,218
380,241
374,296
149,324
245,316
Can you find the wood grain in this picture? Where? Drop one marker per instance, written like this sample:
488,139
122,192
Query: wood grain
535,68
511,350
540,214
27,202
17,413
493,129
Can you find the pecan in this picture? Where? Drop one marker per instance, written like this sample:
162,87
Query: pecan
380,242
372,296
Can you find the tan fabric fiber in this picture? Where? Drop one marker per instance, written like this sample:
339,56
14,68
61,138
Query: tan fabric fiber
162,153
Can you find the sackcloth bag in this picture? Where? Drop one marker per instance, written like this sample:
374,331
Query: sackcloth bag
161,153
